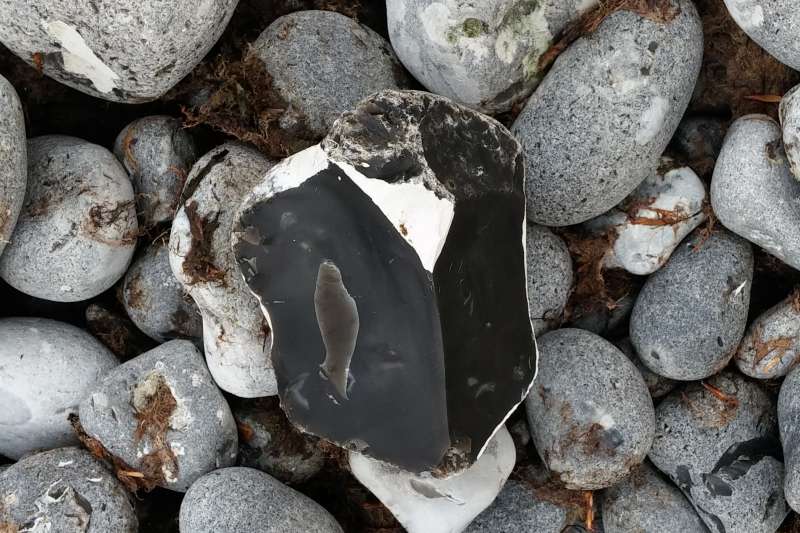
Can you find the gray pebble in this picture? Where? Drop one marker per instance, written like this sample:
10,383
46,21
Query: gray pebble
233,500
13,160
718,443
589,410
773,24
323,63
484,55
121,50
46,369
269,442
603,321
698,140
612,100
658,386
646,502
156,301
690,315
162,414
77,230
790,124
753,192
769,349
789,424
158,154
549,276
64,491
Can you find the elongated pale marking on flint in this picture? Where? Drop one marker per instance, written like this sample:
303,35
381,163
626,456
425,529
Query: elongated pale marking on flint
337,317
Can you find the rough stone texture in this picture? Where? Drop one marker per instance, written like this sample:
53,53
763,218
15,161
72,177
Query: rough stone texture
590,414
236,334
690,315
718,442
658,386
484,55
771,346
754,193
426,504
158,154
163,415
269,442
64,491
650,223
121,50
156,301
647,502
789,424
549,275
77,230
773,24
13,160
46,368
613,100
790,124
233,500
323,63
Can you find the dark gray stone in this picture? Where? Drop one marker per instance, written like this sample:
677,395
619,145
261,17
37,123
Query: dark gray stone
13,160
658,386
789,424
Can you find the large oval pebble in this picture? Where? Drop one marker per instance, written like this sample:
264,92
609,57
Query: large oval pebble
13,160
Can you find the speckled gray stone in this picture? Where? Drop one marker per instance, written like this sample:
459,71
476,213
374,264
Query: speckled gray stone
158,153
77,230
233,500
13,160
236,335
121,50
690,315
773,24
323,63
549,277
64,491
771,346
719,445
201,432
156,301
658,386
269,442
589,411
754,193
646,502
789,424
484,55
46,368
612,101
790,124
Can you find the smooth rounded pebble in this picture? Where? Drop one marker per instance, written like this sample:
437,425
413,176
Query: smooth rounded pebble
158,153
612,101
789,424
484,55
773,24
156,301
790,125
650,223
46,369
13,160
236,334
589,411
121,50
323,63
65,490
647,501
163,415
691,314
658,386
769,349
754,193
77,231
233,500
269,442
549,275
717,441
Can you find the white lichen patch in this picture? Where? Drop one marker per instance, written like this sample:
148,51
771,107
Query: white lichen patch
652,120
79,59
746,14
